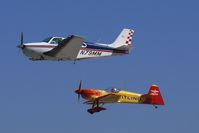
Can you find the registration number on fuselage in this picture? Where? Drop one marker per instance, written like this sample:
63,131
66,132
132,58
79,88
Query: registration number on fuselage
90,53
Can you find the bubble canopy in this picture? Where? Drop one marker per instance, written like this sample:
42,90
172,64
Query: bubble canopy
113,89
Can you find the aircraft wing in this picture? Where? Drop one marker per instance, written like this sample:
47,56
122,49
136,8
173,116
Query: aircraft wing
68,48
109,98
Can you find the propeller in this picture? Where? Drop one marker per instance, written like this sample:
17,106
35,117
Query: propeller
21,37
79,90
21,45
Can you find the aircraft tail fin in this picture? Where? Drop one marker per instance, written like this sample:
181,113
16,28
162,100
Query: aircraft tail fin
154,96
124,40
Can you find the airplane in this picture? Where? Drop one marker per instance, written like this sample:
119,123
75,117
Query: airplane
75,48
97,98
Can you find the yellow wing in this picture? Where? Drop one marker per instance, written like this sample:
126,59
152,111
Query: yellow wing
109,98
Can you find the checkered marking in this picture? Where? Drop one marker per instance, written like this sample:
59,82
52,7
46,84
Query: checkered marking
129,38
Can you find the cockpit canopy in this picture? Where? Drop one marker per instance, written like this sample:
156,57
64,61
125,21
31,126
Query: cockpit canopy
53,40
113,89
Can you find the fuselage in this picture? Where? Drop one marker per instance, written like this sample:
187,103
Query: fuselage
35,51
113,95
125,96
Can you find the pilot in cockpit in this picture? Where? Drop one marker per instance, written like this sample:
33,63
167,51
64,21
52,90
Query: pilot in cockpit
115,90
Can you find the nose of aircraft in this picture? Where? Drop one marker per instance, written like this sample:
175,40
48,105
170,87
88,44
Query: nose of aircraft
21,46
78,91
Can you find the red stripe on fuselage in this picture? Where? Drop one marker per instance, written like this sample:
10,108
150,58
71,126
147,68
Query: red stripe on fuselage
51,46
96,50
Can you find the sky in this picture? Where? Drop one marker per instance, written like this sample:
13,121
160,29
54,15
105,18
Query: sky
38,96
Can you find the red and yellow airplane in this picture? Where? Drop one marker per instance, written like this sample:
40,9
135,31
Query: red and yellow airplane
100,97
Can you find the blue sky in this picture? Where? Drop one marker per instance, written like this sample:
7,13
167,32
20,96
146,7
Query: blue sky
39,96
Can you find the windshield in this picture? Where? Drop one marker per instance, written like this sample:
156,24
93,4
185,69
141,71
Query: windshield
56,40
47,39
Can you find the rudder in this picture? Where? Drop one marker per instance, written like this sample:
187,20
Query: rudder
154,96
124,40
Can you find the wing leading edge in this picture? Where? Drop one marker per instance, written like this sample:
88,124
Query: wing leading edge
109,98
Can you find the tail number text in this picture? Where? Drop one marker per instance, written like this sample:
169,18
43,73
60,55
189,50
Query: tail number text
90,53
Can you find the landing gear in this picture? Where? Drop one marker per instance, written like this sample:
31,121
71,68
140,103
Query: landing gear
95,108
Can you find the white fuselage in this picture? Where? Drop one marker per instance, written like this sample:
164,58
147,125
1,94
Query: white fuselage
74,47
35,51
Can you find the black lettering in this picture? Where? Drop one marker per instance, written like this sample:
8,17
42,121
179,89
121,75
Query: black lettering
99,53
82,52
86,52
89,52
95,52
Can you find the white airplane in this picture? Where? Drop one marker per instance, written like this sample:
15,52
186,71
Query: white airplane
75,48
